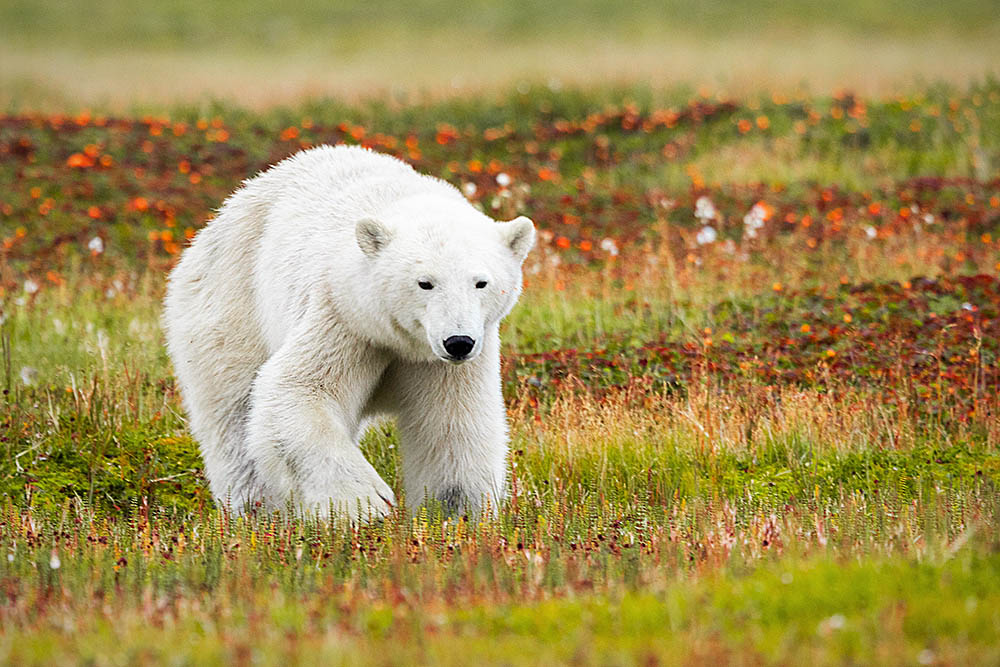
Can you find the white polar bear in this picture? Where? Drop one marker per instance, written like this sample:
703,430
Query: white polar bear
338,286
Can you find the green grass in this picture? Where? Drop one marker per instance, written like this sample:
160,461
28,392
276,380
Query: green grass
344,28
938,609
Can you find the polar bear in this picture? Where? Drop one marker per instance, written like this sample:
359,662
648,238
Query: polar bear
336,287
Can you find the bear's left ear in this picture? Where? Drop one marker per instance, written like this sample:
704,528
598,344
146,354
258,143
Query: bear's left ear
519,235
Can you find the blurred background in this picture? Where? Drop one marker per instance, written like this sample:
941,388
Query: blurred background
69,54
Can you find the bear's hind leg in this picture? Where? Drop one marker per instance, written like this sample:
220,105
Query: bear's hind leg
220,429
215,387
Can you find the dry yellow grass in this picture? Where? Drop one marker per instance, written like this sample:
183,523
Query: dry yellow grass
441,65
742,418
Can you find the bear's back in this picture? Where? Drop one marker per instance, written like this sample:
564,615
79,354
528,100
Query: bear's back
342,184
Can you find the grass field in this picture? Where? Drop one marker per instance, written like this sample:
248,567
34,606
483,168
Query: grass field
752,384
752,380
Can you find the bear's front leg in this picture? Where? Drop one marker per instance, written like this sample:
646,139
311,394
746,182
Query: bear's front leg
302,433
453,431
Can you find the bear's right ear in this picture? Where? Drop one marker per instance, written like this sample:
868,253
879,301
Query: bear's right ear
372,236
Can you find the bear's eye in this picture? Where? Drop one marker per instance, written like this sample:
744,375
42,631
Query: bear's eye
425,284
481,284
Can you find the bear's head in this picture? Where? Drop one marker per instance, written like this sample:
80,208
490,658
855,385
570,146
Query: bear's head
442,274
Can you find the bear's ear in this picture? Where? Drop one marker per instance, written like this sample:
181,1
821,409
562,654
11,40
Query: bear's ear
519,234
372,236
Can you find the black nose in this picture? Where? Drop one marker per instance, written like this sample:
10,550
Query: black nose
459,346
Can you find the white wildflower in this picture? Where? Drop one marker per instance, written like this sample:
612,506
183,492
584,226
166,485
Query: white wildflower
30,286
609,246
469,190
926,657
96,245
135,327
503,179
871,232
117,287
54,561
28,375
928,218
753,221
706,235
58,325
103,343
704,209
835,622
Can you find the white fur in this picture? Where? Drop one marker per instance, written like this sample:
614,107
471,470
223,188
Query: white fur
296,316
